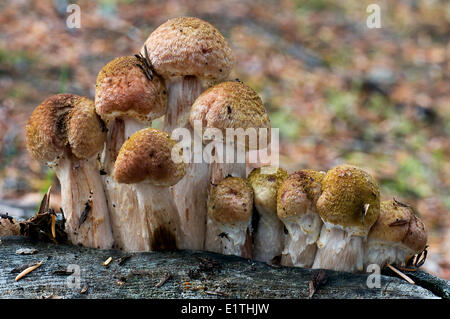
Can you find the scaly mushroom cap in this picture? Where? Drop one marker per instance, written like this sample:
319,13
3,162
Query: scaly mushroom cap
124,90
189,46
146,157
350,199
230,104
61,122
265,187
398,223
299,192
231,201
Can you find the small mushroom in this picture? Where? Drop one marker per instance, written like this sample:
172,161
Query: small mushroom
65,133
228,105
348,206
230,208
396,237
191,55
268,235
296,207
128,96
145,161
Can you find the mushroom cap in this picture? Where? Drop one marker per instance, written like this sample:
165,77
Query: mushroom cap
346,192
231,201
230,104
188,46
299,192
146,157
398,223
123,90
265,187
64,122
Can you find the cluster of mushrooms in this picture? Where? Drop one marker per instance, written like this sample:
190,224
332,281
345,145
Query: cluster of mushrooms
120,187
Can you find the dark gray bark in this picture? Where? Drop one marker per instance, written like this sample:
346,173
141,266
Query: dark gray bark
181,274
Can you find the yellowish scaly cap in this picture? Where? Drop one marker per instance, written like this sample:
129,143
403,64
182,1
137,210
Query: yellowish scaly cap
350,198
265,187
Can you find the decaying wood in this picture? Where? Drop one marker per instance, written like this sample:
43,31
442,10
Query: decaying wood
192,275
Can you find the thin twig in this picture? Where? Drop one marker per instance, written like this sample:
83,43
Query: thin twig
398,272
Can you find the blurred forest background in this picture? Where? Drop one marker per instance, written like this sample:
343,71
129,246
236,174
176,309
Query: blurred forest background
337,90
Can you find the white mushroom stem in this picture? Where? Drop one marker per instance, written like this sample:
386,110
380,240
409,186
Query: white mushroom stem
340,249
235,239
182,92
300,247
161,216
383,253
269,236
128,225
83,197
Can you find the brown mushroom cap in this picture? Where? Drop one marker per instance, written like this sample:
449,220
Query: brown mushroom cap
298,192
230,104
146,157
265,187
398,223
189,46
124,90
350,198
61,122
231,201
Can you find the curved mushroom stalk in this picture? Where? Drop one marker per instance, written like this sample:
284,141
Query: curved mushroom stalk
83,202
300,248
339,250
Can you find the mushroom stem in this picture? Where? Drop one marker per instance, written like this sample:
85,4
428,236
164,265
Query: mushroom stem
382,253
161,215
334,241
83,201
129,227
182,92
269,239
300,248
190,193
235,240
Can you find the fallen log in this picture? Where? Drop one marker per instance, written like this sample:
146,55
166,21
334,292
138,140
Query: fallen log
77,272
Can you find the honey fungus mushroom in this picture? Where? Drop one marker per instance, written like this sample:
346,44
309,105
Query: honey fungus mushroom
396,237
296,207
145,161
348,206
128,97
230,208
191,55
234,106
65,133
268,235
